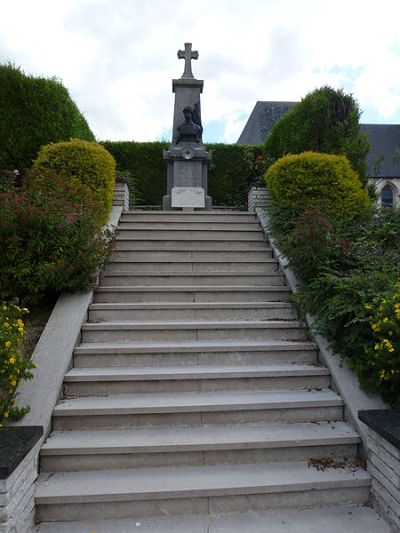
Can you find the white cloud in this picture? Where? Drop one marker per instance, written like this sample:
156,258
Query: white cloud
117,57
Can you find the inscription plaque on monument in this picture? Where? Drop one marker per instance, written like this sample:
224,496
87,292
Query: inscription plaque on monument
187,158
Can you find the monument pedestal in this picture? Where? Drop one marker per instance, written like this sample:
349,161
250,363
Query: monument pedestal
187,159
187,169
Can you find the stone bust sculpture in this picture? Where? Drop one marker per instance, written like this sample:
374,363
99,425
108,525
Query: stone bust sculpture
189,131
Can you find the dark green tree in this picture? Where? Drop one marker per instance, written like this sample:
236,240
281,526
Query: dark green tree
326,120
34,111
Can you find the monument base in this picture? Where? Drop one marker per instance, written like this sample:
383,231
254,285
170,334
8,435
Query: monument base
187,167
167,205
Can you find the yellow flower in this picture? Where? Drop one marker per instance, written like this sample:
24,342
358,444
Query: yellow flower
6,414
367,306
6,325
7,344
13,382
11,360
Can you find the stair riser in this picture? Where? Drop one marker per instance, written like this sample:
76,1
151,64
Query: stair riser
259,280
198,418
191,296
187,234
191,314
191,335
170,226
171,256
245,455
207,358
194,246
184,218
192,505
85,388
268,266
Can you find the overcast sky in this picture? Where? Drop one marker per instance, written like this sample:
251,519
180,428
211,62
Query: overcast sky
117,57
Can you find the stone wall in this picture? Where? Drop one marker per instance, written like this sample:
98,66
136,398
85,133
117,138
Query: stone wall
121,195
384,462
257,197
18,470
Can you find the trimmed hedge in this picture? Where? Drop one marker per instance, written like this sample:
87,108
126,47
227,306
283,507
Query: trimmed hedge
299,182
82,162
326,120
232,170
34,111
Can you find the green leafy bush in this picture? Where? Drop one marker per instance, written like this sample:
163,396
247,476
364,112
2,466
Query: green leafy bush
51,238
34,111
353,274
233,169
326,120
82,162
299,182
13,367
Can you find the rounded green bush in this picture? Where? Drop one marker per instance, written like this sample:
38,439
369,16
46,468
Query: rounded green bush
85,163
299,182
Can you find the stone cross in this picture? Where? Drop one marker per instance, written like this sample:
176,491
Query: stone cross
188,55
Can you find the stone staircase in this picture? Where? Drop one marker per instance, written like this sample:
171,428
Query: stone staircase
194,389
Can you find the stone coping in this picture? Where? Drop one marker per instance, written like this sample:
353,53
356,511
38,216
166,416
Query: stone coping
15,444
344,380
385,422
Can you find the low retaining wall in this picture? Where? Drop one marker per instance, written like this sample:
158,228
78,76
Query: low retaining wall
257,197
53,358
384,461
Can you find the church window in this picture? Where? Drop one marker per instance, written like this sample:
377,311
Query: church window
387,199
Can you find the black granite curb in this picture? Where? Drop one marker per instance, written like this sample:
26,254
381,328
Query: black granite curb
15,444
385,422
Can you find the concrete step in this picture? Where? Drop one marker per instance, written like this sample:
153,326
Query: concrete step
191,233
151,447
230,330
184,218
190,490
196,409
191,245
267,266
253,225
198,353
196,255
120,279
133,380
191,311
192,294
344,518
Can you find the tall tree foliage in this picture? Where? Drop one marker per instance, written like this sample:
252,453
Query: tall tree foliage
326,120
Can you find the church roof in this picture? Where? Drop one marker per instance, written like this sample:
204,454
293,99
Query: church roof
385,142
384,138
261,120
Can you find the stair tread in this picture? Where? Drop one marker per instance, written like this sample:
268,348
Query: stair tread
137,440
193,346
193,372
191,402
193,324
191,305
191,288
186,482
194,274
346,518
